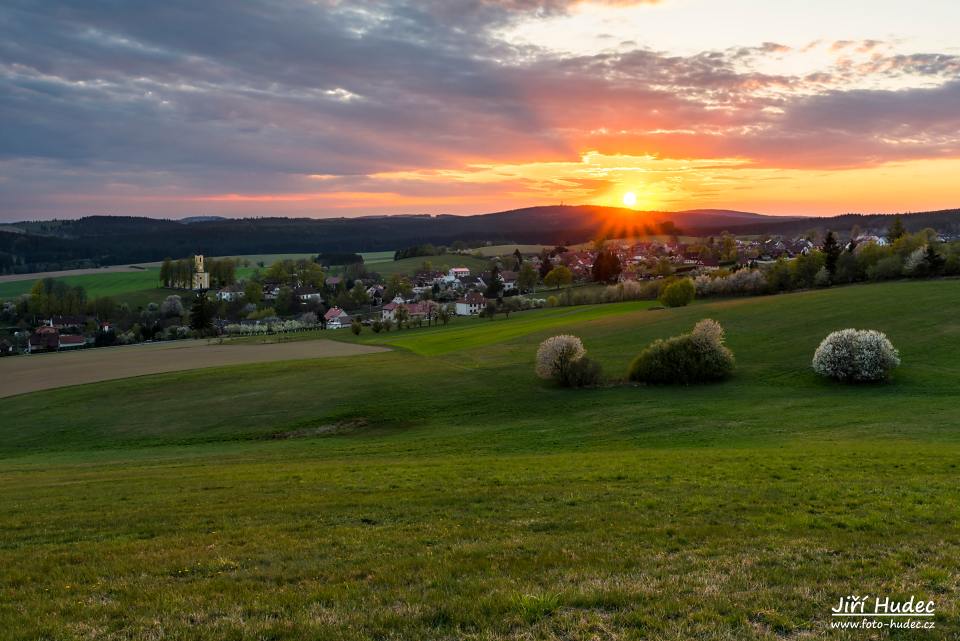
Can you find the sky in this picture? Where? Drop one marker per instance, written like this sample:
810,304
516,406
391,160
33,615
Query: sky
359,107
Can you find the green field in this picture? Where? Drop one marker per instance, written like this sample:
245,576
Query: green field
136,289
440,491
96,285
377,257
410,266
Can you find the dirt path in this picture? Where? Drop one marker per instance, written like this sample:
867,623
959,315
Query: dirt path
22,374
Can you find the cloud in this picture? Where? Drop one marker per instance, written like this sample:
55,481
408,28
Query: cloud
162,100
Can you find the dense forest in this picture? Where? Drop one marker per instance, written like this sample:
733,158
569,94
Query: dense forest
116,240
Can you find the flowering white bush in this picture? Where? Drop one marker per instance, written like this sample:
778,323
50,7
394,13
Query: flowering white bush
744,281
708,333
914,260
172,306
253,329
860,355
174,333
822,279
556,354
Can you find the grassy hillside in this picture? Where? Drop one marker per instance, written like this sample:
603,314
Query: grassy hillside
136,288
105,284
441,491
410,266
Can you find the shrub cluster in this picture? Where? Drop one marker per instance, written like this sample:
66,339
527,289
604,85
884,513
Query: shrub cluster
744,282
856,355
173,333
563,359
249,329
678,293
697,357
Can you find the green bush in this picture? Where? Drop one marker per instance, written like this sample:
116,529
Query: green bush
679,293
583,372
697,357
886,268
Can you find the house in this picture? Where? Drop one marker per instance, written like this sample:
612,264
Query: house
67,322
871,238
336,318
509,280
428,278
471,304
414,310
45,339
270,291
230,294
70,341
458,272
49,339
307,294
468,282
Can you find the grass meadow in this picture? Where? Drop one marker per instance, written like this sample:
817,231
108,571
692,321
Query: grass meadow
441,491
410,266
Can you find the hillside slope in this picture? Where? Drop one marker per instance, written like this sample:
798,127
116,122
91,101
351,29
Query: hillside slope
441,491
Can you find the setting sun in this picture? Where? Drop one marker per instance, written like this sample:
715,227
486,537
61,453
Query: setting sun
630,199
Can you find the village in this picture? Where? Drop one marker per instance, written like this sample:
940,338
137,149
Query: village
201,297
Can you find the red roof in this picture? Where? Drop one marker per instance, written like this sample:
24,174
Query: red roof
45,338
414,309
473,298
335,312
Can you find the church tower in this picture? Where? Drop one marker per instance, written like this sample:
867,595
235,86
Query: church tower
201,279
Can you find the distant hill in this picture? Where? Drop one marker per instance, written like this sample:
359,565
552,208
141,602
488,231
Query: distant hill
199,219
118,240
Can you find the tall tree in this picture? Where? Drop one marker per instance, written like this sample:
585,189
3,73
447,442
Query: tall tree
287,302
896,229
444,314
253,292
402,315
545,264
494,284
397,285
606,267
831,252
558,277
934,261
527,279
201,314
166,272
358,295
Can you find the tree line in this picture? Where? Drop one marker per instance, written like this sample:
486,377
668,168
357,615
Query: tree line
178,274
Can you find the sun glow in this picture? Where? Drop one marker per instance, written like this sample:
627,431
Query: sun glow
630,199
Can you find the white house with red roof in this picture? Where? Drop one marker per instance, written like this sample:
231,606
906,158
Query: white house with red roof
336,318
471,304
414,310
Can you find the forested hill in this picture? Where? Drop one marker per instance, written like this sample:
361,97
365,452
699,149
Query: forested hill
113,240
